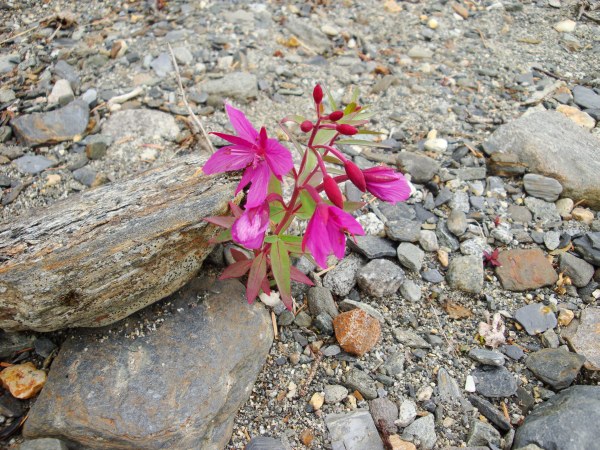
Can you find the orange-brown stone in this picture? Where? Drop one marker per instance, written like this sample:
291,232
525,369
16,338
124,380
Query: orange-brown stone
23,380
522,270
356,331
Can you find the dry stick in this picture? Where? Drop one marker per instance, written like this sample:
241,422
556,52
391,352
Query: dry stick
311,374
19,34
187,105
452,349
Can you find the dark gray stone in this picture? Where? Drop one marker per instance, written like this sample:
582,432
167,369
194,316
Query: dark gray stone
432,276
520,214
536,318
353,431
158,397
513,352
373,247
85,175
33,164
52,127
397,211
422,432
264,443
409,338
490,412
555,367
380,277
577,269
457,222
588,246
567,421
403,230
63,70
448,389
410,256
586,97
445,237
421,168
342,278
481,433
358,380
394,365
487,357
320,301
494,382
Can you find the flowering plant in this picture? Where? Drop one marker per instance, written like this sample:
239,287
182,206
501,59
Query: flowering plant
261,224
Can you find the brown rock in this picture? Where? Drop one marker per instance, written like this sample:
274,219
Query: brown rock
586,340
399,444
522,270
356,331
23,380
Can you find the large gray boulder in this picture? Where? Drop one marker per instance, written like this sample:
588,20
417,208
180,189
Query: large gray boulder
146,384
550,144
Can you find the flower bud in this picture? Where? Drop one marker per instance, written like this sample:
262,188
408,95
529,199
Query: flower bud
333,191
318,94
345,129
355,175
335,116
306,126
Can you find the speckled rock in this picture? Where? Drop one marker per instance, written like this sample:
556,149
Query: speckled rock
356,331
524,269
380,277
555,367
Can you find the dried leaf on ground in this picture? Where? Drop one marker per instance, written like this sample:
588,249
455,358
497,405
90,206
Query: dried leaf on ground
493,333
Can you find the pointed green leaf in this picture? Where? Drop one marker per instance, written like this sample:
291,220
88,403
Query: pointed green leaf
280,265
223,236
332,103
308,206
362,142
293,243
311,163
350,207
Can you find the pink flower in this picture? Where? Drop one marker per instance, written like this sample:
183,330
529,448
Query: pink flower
325,232
386,184
255,152
250,228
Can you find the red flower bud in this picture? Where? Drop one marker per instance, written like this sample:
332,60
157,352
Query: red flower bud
335,116
333,191
306,126
355,175
345,129
318,94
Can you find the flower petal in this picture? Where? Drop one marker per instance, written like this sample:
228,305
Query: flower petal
227,159
316,238
241,124
345,221
260,182
235,140
278,157
249,230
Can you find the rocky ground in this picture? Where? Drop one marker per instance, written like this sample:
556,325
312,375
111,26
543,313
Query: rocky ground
491,107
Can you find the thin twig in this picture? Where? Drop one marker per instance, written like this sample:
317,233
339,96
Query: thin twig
311,374
452,349
22,33
200,128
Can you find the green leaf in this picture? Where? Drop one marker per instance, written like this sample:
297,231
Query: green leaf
223,236
362,142
324,136
276,212
332,103
271,239
258,271
369,132
274,185
355,94
308,206
350,108
350,207
311,163
293,244
280,264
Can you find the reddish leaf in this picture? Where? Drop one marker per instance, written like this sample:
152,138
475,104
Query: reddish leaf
298,276
236,270
264,285
235,209
237,255
258,271
222,221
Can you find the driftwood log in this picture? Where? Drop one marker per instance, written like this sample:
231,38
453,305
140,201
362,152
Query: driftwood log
97,257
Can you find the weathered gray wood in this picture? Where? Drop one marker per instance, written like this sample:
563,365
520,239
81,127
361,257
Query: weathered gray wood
95,258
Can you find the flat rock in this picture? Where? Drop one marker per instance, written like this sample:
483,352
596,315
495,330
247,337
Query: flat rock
482,434
542,211
490,412
588,246
353,431
380,277
448,389
239,85
525,269
264,443
465,273
43,444
409,338
373,246
403,230
542,187
520,214
555,367
586,339
52,127
536,318
33,164
360,381
552,145
487,357
586,97
567,421
577,269
494,382
308,34
421,168
321,301
132,390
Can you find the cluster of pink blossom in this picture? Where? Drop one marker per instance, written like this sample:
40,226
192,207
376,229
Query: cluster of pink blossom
261,224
